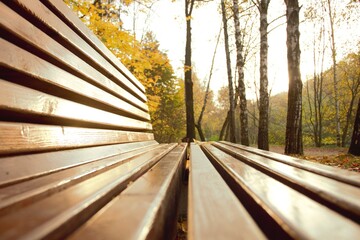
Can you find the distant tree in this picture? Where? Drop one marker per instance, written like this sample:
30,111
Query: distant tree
240,62
164,94
349,90
332,15
232,134
314,87
263,134
293,139
206,97
355,140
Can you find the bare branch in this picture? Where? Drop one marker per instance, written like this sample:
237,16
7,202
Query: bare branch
284,15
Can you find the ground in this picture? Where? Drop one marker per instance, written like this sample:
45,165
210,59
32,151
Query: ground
332,156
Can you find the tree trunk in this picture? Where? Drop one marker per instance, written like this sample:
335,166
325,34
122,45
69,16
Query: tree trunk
319,89
293,139
263,134
232,135
354,93
311,114
224,126
201,134
347,122
244,137
189,99
319,110
355,140
333,55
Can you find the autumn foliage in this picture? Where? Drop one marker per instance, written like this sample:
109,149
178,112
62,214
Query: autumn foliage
144,59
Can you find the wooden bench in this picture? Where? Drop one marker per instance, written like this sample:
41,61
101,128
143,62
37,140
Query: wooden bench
77,156
284,197
78,159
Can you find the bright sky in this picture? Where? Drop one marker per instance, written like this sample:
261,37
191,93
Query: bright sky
167,23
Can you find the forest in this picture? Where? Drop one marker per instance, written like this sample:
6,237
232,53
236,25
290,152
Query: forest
325,101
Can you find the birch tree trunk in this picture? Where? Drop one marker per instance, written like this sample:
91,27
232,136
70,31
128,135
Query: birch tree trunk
244,137
232,135
263,134
189,98
293,139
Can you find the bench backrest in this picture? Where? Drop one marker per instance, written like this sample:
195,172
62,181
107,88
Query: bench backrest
75,135
60,87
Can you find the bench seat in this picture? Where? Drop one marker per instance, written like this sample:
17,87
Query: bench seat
286,197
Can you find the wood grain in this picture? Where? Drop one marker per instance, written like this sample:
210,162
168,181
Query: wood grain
52,50
321,169
299,216
214,211
67,37
35,104
21,168
77,25
57,215
16,58
336,194
146,209
24,138
17,195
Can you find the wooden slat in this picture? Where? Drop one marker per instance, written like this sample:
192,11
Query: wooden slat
77,25
25,167
13,57
21,138
58,215
297,215
23,193
35,104
145,210
25,31
214,211
336,194
327,171
37,10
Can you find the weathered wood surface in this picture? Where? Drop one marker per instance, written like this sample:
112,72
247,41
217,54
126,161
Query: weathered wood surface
214,211
288,202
